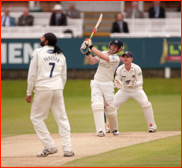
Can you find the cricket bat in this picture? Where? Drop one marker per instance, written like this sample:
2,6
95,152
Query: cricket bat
97,25
95,29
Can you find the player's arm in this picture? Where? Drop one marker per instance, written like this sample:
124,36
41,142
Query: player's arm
100,54
32,75
117,81
86,50
91,60
139,77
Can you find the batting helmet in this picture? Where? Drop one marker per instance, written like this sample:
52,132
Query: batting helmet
118,43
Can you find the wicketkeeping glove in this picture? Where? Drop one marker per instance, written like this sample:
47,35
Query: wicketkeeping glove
132,83
118,84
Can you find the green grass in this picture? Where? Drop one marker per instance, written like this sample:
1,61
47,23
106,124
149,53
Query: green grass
15,112
81,88
15,115
164,94
158,153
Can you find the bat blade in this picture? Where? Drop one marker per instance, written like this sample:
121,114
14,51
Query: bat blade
97,25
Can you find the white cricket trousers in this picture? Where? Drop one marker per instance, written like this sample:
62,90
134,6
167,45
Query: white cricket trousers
42,101
105,90
122,96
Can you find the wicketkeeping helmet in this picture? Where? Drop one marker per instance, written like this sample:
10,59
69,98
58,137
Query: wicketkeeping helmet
118,43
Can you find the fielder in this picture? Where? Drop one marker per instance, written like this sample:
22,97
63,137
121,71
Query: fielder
102,87
131,87
48,73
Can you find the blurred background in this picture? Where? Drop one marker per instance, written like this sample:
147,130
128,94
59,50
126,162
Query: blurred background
150,30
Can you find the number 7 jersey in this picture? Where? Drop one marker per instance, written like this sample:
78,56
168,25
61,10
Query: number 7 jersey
47,71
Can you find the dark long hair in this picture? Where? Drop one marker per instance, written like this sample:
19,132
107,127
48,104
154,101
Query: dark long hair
52,40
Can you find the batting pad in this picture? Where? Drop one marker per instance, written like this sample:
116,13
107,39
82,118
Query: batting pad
149,115
111,114
98,111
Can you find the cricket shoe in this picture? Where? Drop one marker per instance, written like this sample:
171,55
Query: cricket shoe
47,151
151,130
107,131
68,153
101,134
115,132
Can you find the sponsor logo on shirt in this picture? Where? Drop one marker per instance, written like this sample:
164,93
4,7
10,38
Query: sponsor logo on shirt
50,51
140,74
104,65
113,58
123,76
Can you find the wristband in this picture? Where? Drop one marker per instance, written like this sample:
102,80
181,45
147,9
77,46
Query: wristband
88,53
91,46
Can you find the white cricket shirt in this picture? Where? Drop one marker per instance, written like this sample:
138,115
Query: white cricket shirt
105,71
125,76
47,70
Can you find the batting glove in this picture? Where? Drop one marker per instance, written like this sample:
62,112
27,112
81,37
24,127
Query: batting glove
88,42
88,52
84,48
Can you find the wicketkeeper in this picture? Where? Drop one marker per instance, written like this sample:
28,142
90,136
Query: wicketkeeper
102,87
131,87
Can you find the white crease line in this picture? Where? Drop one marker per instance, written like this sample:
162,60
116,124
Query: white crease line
55,162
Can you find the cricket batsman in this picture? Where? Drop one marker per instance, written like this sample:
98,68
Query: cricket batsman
102,87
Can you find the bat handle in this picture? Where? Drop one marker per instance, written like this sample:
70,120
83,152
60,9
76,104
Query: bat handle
91,35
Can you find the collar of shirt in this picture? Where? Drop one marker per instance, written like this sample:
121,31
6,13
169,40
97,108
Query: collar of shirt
58,14
47,46
135,13
131,68
120,22
156,9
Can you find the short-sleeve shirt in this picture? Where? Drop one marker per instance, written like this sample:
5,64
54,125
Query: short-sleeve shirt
126,76
105,71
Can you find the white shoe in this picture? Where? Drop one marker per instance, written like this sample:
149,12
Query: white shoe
101,134
151,130
68,154
47,151
115,132
107,131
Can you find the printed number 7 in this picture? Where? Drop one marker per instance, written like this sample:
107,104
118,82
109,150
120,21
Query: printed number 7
53,64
